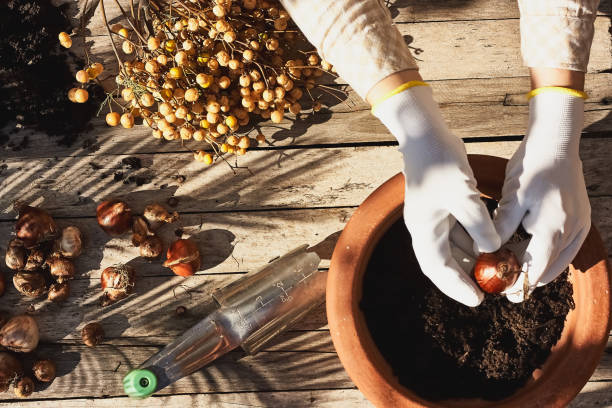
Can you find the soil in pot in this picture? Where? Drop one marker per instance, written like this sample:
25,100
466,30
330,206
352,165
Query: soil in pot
441,349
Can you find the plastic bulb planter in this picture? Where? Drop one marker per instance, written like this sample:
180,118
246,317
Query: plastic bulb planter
572,360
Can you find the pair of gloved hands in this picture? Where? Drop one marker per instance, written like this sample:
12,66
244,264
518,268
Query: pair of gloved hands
544,187
544,190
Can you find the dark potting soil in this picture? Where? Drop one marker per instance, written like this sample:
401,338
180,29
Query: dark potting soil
35,74
442,349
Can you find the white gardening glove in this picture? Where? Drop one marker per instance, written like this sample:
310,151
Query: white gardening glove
360,40
545,190
440,190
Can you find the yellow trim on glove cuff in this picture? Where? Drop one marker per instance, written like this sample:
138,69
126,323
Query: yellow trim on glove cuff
558,89
397,90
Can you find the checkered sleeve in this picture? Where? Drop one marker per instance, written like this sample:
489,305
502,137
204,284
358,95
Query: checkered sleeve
356,36
557,33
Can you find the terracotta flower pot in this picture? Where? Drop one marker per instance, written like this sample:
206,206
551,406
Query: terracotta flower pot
556,383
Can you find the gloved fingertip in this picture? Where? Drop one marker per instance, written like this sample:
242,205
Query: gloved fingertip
516,297
515,293
507,220
491,244
474,301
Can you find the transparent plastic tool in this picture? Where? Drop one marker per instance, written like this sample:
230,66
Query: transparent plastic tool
251,311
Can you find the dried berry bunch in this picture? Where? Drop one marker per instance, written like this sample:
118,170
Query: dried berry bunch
201,69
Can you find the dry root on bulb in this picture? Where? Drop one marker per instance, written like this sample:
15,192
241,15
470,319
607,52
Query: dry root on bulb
34,226
157,215
30,284
20,334
183,257
117,283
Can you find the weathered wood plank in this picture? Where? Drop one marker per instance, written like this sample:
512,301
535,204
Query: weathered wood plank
594,394
601,209
447,50
343,398
472,108
496,43
297,178
452,10
85,372
147,317
403,11
228,242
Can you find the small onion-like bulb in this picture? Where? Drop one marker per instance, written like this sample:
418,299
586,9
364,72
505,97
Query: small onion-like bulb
15,257
34,226
20,334
92,334
114,216
117,282
24,387
30,284
61,269
183,257
44,370
496,271
10,368
58,292
70,243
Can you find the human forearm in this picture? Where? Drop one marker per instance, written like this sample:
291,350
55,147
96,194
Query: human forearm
557,33
356,36
541,77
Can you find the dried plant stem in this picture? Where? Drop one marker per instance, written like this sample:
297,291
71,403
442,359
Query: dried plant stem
130,20
110,36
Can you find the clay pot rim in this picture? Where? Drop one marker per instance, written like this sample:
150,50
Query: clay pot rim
365,364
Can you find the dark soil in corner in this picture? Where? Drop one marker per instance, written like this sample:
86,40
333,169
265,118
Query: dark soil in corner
35,75
442,349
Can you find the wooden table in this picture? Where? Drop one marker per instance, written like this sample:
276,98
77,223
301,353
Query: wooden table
301,187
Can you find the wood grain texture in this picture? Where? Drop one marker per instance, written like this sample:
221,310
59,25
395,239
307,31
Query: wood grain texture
473,108
414,11
444,49
469,50
409,11
83,372
440,48
346,398
228,242
148,316
296,178
594,394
